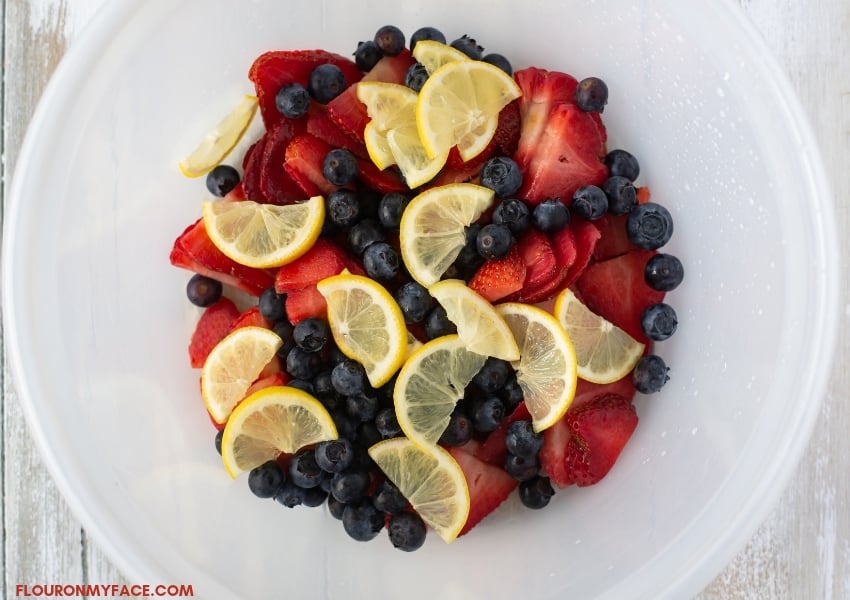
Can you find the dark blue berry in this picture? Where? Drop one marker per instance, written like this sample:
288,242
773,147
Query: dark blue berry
292,100
290,495
426,33
659,321
349,378
522,440
511,394
271,305
468,46
368,435
590,202
502,175
266,480
387,423
407,531
367,55
340,166
621,194
591,94
487,413
390,40
468,260
522,468
362,521
387,498
284,331
343,208
314,496
550,216
304,471
416,76
335,507
302,364
649,226
345,425
322,385
381,261
650,374
458,431
303,385
493,375
536,492
350,485
326,82
513,213
437,323
221,180
218,435
311,334
335,356
414,301
390,209
620,162
334,456
362,406
500,61
203,291
664,272
365,233
494,241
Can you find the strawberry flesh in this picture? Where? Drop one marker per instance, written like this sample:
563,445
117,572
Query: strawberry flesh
214,324
324,259
489,486
303,162
587,236
494,450
497,279
251,318
304,303
540,263
320,125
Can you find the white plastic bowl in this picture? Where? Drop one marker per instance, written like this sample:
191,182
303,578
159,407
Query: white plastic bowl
98,322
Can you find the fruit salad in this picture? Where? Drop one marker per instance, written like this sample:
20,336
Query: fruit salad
427,286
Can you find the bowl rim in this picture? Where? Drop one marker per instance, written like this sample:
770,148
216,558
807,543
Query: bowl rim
97,35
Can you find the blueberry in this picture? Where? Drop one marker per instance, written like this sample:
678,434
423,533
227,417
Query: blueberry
458,431
487,413
511,394
345,425
311,334
292,100
649,226
335,356
343,208
591,94
550,216
500,61
437,323
494,241
536,492
387,498
659,321
521,439
334,456
390,40
414,301
513,213
426,33
335,507
322,385
271,305
266,480
502,175
218,435
590,202
650,374
362,406
407,531
620,162
663,272
284,331
340,166
468,46
493,375
290,495
621,194
303,385
350,485
368,435
387,423
522,468
221,180
349,378
326,82
390,209
468,260
302,364
416,76
367,55
304,471
203,291
381,261
362,521
314,496
364,233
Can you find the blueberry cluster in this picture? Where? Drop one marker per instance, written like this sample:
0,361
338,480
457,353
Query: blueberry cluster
326,82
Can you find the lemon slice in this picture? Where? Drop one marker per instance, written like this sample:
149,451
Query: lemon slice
233,365
367,324
387,104
479,326
604,352
263,235
546,370
377,146
459,106
429,385
433,228
271,421
433,55
410,156
413,344
218,143
430,479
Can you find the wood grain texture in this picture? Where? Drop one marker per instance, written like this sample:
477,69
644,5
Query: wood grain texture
801,551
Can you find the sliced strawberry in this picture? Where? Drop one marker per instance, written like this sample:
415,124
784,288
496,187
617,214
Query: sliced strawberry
384,181
587,235
391,69
493,450
195,251
320,125
586,391
324,259
279,378
614,241
540,263
303,162
237,193
564,157
348,113
252,164
214,324
464,173
304,303
489,486
251,318
276,185
615,289
504,142
643,195
497,279
271,70
542,90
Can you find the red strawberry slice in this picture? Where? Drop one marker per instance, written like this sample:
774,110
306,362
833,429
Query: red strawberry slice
540,263
279,378
271,70
614,241
391,69
276,185
563,245
583,446
194,251
504,142
252,164
320,125
542,90
304,303
615,289
497,279
489,486
587,235
586,391
324,259
493,450
251,318
348,113
564,157
384,181
303,162
214,324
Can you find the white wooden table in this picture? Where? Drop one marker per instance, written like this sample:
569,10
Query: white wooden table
802,551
